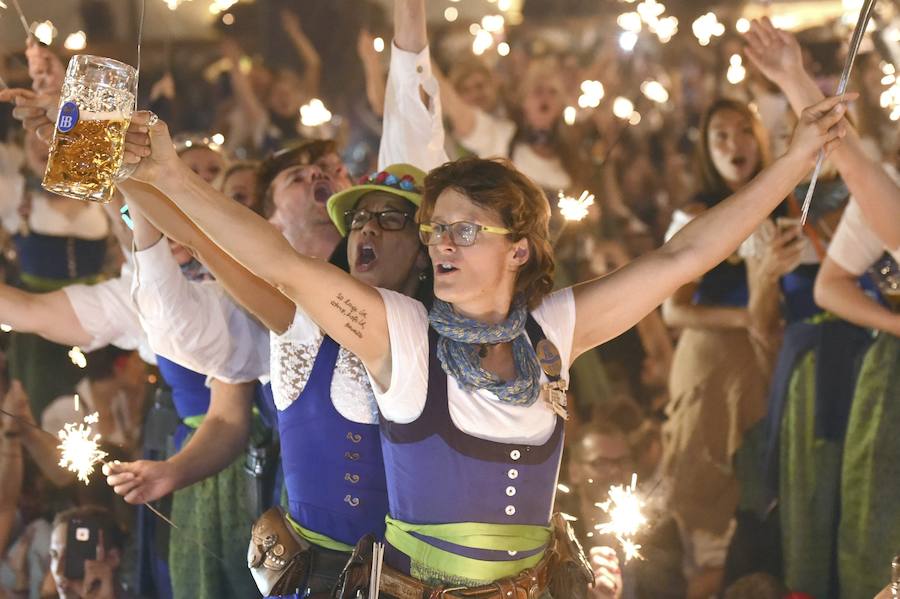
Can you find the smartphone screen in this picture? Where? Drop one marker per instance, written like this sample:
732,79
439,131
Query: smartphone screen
81,545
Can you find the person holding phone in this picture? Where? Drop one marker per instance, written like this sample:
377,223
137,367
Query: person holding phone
86,548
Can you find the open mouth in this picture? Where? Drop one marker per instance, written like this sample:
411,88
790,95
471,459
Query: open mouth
366,257
322,191
444,268
739,161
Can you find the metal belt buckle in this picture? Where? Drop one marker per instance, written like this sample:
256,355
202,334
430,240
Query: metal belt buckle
555,396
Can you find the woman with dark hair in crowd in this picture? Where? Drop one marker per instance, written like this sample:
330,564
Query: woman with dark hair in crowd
718,381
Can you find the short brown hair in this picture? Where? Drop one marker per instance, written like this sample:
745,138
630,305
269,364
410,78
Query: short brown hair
301,153
496,185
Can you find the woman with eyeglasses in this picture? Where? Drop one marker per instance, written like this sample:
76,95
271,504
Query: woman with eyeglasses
471,393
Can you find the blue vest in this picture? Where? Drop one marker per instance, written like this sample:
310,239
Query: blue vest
333,469
62,258
724,285
439,474
797,289
189,393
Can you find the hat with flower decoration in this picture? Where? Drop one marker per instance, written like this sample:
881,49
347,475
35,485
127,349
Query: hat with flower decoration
403,180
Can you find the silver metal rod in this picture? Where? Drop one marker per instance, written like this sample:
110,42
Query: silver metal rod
865,14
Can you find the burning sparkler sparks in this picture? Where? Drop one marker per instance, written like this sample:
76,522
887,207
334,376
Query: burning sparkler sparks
573,209
314,113
626,517
77,356
80,448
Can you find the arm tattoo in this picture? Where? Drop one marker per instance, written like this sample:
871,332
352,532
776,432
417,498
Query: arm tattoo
355,319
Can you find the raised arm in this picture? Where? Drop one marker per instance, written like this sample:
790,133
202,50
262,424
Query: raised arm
608,306
266,303
312,62
219,440
462,116
253,109
372,70
352,313
413,130
777,54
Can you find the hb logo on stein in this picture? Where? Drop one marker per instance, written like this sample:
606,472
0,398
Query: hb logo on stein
68,117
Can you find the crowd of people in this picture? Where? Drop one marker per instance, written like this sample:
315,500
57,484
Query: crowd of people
383,327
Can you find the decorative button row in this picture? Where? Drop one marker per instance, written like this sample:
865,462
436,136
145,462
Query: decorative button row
351,478
354,437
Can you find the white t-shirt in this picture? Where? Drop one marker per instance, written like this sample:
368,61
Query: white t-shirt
478,414
106,313
855,246
293,354
491,137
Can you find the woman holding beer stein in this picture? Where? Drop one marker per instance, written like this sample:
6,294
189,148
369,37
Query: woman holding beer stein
471,418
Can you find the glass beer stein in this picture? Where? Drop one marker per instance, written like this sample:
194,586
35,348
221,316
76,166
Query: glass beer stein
98,98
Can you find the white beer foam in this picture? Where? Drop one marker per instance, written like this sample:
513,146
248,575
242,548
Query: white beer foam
102,116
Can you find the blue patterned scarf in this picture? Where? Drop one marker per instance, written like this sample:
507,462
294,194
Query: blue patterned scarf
458,350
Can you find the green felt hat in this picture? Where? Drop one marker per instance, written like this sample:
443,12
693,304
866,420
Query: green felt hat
403,180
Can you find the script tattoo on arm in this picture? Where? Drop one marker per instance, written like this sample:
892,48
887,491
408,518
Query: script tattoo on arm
355,319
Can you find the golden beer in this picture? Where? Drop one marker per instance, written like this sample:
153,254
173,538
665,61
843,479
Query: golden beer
84,161
88,144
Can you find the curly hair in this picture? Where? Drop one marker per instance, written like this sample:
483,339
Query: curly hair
496,185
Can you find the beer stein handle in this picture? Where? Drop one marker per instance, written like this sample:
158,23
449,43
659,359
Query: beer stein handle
125,171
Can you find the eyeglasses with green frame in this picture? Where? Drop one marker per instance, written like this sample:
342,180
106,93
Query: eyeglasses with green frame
462,233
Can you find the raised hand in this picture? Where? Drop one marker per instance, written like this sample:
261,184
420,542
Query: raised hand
290,22
99,574
774,52
37,112
820,127
149,147
607,575
44,67
783,252
141,481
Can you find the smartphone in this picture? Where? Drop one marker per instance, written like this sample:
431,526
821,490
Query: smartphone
784,223
81,544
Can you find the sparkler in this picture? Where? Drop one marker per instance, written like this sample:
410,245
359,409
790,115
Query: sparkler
22,18
79,447
314,113
862,22
626,517
77,356
573,209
